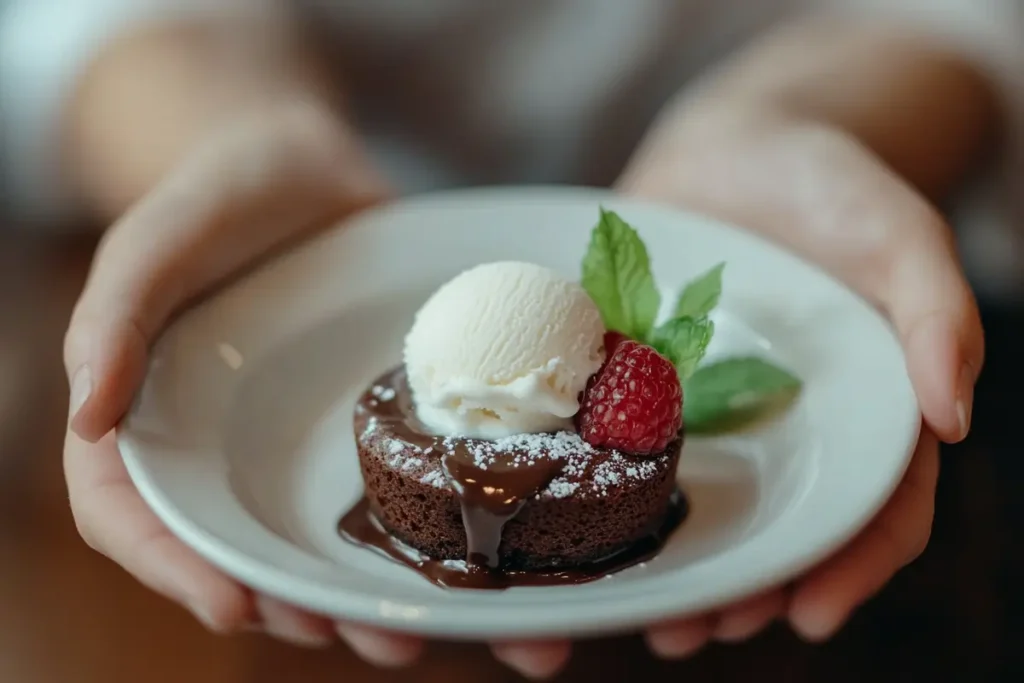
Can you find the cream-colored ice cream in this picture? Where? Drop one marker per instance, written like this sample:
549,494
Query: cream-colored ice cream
504,348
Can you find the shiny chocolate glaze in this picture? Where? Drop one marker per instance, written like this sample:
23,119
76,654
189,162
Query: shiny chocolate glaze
488,496
361,527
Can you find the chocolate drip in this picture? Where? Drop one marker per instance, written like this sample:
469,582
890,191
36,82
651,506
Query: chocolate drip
489,496
359,526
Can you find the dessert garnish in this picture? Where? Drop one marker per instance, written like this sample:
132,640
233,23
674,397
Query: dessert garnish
634,403
726,395
533,431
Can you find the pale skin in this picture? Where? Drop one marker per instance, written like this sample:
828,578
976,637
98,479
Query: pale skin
833,138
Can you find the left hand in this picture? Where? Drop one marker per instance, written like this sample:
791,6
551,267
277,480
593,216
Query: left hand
824,195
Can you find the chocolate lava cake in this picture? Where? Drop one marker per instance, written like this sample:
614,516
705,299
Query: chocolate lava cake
554,502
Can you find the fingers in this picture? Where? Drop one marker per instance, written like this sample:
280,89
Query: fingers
824,599
681,639
292,625
749,617
935,314
249,191
106,358
534,660
387,650
115,521
823,194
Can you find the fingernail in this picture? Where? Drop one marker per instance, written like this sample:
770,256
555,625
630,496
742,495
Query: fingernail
380,649
297,636
537,661
965,399
676,644
81,387
205,618
815,625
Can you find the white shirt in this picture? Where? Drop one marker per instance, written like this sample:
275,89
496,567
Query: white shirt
503,91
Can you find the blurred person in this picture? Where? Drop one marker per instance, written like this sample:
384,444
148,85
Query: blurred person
209,132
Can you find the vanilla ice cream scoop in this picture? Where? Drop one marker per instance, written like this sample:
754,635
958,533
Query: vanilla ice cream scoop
502,349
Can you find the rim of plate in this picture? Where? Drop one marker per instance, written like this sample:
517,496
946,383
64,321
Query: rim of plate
472,617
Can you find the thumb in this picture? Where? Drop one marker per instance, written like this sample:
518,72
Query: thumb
825,196
229,205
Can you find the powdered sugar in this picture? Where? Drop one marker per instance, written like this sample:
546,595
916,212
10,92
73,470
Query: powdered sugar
371,427
576,455
526,449
583,467
411,464
383,393
618,467
434,478
560,488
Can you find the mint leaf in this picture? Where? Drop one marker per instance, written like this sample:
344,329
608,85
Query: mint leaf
701,295
617,275
683,341
735,393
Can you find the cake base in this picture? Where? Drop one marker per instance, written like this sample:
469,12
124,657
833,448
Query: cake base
360,526
530,503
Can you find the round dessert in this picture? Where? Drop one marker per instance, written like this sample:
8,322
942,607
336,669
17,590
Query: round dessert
524,502
530,436
532,433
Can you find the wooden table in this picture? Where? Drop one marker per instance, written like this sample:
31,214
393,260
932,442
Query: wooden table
68,615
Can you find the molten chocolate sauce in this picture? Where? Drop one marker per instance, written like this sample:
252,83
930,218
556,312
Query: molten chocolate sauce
489,498
361,527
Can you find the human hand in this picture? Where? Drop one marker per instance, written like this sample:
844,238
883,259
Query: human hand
263,183
246,191
257,186
823,194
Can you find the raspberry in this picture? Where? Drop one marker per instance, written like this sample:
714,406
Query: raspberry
612,339
633,403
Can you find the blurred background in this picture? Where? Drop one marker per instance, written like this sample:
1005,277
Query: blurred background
68,615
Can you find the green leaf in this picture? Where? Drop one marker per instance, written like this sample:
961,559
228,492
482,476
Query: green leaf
701,295
683,341
736,393
617,275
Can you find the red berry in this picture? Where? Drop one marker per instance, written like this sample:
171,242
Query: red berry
612,339
634,403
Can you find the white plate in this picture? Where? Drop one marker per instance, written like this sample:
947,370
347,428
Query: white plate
241,438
